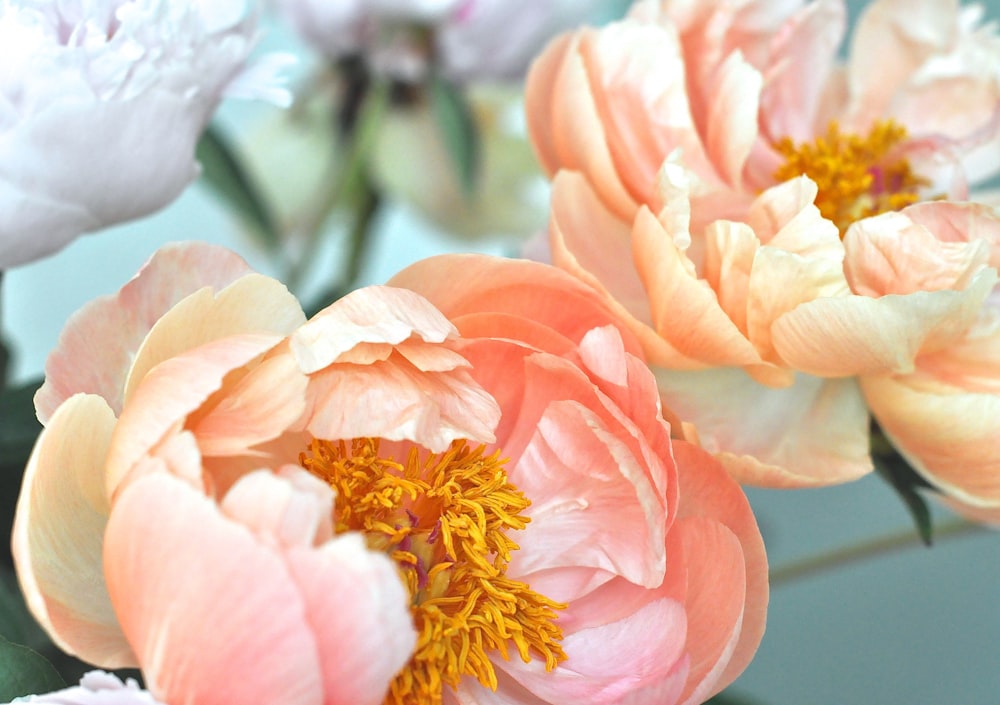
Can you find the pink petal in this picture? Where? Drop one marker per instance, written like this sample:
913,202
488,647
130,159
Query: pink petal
306,625
732,116
708,493
58,533
97,346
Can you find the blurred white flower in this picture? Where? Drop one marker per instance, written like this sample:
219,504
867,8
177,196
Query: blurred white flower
101,106
96,688
471,39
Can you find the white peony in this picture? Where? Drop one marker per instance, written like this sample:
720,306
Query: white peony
101,105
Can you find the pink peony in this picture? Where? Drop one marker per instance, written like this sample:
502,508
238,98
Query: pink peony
679,138
101,105
458,488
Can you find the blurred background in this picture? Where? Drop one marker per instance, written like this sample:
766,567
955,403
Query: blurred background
916,625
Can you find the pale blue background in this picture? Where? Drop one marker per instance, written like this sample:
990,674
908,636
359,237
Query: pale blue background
919,627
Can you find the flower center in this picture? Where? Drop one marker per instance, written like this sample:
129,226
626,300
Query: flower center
444,519
857,176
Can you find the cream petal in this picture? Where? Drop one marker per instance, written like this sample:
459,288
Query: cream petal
99,342
810,434
252,304
373,314
295,508
58,534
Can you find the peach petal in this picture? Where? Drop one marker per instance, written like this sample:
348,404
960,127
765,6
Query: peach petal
580,139
685,311
472,284
373,314
97,345
960,222
767,436
271,637
431,409
708,493
730,251
714,560
58,533
950,436
732,116
255,409
646,114
538,104
252,304
171,391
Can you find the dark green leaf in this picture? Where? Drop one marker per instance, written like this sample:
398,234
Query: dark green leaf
893,468
223,171
18,430
458,128
24,672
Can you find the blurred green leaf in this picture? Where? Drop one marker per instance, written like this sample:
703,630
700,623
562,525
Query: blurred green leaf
458,127
896,471
18,431
224,172
25,672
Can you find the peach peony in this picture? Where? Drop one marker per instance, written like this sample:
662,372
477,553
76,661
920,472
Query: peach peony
745,94
458,488
709,154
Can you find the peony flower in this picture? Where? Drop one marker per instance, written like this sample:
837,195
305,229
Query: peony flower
745,95
457,488
471,39
96,688
101,104
698,146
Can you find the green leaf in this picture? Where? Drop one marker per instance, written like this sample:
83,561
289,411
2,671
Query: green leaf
25,672
458,128
223,171
895,470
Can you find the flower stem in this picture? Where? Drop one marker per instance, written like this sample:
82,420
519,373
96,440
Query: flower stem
840,557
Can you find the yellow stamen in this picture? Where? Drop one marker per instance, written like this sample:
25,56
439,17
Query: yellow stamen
857,176
444,520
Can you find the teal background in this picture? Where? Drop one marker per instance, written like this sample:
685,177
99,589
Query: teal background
921,626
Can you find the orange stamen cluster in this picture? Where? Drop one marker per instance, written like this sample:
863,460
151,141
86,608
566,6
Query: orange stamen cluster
857,176
444,519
